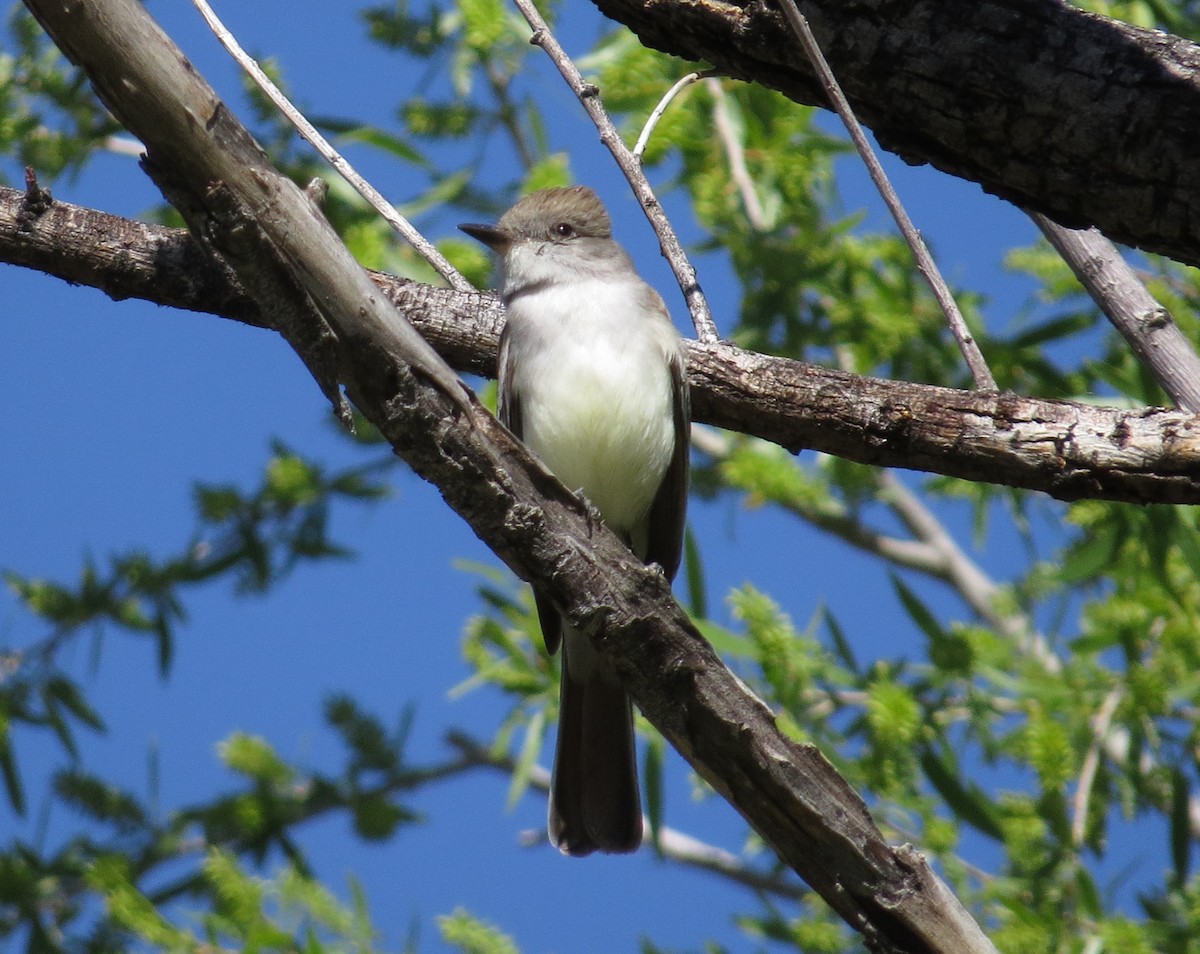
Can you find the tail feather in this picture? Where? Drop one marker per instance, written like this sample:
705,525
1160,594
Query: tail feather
594,801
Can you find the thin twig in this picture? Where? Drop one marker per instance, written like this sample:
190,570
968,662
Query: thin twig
737,156
509,115
124,146
674,844
423,246
589,96
1101,722
1133,311
657,113
925,263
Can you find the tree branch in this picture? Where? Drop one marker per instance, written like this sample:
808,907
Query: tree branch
629,164
423,247
788,792
675,845
926,265
1082,118
1144,323
1064,449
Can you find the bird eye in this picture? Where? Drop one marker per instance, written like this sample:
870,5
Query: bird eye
564,230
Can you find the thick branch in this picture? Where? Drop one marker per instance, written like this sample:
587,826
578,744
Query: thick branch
1087,120
1064,449
788,792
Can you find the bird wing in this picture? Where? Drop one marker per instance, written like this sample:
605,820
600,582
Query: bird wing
668,512
508,407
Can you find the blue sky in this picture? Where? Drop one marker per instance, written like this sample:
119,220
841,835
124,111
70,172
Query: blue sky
114,409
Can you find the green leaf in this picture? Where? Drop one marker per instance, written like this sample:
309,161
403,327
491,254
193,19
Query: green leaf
253,756
693,567
8,768
1090,901
100,800
291,480
217,503
551,172
725,641
363,733
473,936
64,692
1054,329
535,734
918,612
1089,559
653,774
348,132
841,645
1181,826
968,801
1185,538
894,714
128,907
485,23
164,644
376,817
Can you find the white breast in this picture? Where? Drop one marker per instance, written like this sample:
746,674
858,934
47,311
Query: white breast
595,388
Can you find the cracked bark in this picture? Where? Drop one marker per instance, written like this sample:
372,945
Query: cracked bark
1065,449
1085,119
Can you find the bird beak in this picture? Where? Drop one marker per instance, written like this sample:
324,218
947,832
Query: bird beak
491,236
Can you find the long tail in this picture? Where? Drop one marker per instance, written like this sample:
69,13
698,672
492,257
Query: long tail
594,801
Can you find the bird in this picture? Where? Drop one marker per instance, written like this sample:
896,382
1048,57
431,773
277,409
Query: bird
592,379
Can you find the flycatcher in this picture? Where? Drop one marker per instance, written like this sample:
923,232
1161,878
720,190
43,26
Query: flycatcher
592,380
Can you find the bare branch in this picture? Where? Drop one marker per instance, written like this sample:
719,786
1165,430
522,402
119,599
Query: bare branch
925,263
1133,311
675,845
931,550
966,576
834,519
656,114
589,96
1064,449
1101,723
737,156
426,249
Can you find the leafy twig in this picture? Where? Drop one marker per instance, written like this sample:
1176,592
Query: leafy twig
976,588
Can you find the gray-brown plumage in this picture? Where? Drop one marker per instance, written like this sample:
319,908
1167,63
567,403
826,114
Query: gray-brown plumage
592,379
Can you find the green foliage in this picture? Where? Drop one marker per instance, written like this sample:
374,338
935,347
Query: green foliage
48,117
255,539
288,912
199,847
473,936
